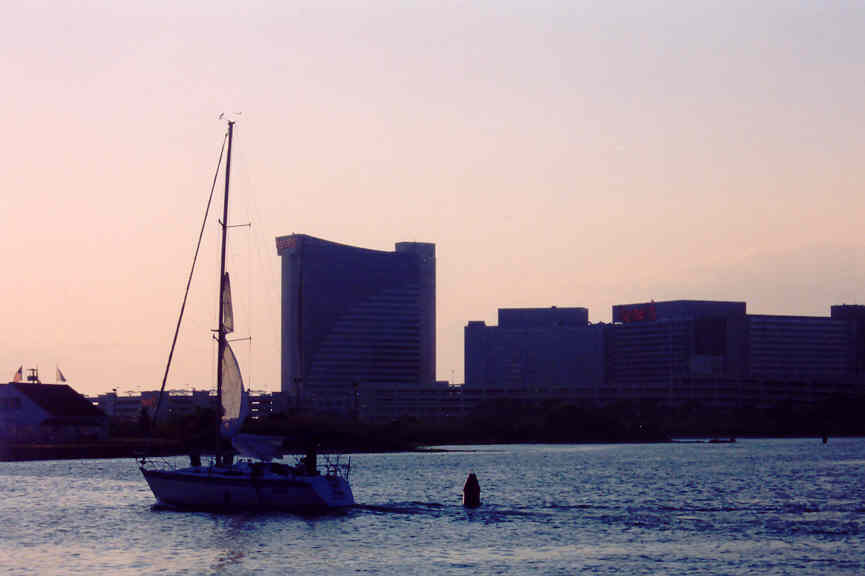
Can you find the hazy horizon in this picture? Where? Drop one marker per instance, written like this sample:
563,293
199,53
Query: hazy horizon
557,153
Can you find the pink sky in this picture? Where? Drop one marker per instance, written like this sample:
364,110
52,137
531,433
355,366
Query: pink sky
557,153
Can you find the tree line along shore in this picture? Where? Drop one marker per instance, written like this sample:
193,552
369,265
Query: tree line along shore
498,422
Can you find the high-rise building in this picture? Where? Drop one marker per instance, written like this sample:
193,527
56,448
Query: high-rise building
683,351
676,351
798,348
543,351
854,315
354,319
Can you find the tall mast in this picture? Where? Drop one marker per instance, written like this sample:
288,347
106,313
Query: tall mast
221,332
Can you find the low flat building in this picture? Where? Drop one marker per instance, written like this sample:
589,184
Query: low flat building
261,405
437,404
175,403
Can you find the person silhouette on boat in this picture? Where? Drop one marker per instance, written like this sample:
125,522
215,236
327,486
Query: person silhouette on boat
309,461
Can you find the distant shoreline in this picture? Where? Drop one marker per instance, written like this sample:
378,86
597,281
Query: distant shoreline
126,448
137,447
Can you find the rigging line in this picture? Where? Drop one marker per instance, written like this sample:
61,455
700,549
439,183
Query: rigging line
249,302
261,269
188,283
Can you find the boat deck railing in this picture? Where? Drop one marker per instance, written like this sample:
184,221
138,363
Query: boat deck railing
334,467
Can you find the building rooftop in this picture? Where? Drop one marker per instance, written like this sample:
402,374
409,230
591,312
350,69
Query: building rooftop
59,400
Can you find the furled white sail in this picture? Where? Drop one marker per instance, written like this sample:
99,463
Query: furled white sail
227,310
235,406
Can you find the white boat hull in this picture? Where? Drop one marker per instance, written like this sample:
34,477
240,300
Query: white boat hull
246,488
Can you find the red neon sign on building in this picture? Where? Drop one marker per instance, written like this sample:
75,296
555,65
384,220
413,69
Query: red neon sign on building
636,313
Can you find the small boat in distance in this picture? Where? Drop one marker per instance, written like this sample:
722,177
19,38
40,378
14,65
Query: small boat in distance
255,482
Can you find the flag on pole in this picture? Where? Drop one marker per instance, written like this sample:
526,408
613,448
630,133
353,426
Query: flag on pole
60,376
19,375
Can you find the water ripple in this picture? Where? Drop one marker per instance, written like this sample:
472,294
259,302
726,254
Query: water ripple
761,506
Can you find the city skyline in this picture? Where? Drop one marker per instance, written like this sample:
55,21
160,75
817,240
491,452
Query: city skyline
561,154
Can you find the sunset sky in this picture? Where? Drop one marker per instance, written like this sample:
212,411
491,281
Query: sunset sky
557,153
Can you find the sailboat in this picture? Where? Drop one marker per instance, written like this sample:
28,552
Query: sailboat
255,481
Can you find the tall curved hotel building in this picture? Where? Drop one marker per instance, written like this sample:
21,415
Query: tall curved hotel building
354,318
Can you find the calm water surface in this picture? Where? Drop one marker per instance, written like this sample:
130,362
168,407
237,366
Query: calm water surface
754,507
